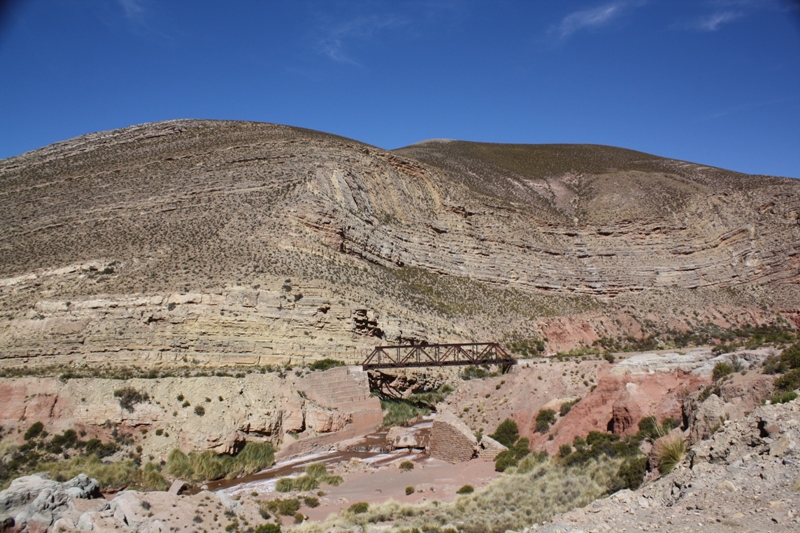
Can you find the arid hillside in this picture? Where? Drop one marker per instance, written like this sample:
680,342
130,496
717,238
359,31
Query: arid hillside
244,243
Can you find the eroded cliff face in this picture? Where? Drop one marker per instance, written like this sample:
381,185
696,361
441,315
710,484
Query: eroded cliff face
243,243
218,413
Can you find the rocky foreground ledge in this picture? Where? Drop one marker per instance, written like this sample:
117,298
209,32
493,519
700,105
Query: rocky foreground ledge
745,477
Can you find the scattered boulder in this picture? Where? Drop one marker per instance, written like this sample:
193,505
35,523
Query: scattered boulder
35,502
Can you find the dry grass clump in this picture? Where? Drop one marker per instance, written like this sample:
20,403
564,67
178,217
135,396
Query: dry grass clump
671,454
207,465
531,493
110,475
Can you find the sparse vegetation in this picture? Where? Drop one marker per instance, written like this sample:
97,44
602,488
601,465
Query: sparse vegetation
129,397
325,364
206,466
315,474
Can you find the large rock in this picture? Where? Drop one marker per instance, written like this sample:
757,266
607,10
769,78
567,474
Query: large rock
35,502
451,439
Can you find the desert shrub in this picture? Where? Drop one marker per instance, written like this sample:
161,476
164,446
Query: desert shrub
507,433
34,431
359,508
466,489
790,357
409,491
477,372
608,356
722,369
630,474
311,501
648,428
399,412
405,466
149,477
564,450
671,454
325,364
783,397
99,448
789,381
566,407
544,418
268,528
129,397
511,457
287,507
298,518
199,410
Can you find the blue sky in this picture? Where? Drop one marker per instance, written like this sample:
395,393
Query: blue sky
710,81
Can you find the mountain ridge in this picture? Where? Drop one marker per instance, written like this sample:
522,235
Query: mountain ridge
439,240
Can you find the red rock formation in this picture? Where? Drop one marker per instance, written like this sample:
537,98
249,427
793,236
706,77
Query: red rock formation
618,404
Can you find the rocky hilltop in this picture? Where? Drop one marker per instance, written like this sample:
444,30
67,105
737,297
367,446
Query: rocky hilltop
211,242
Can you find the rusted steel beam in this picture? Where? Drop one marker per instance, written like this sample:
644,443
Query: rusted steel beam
422,355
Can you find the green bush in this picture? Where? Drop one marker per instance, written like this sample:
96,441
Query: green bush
722,369
789,381
325,364
566,407
359,508
34,431
405,466
507,433
409,491
199,410
466,489
783,397
311,501
287,507
630,474
544,418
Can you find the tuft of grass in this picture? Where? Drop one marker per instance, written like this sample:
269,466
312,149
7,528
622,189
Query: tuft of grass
783,397
405,466
206,466
409,491
671,454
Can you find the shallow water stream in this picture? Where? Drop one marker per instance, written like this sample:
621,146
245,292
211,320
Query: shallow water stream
372,449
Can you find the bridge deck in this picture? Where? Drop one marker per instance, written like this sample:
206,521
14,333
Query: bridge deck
419,355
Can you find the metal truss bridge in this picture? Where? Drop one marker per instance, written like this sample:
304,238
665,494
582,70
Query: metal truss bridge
421,355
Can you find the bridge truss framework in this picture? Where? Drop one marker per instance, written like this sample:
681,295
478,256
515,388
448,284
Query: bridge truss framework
422,355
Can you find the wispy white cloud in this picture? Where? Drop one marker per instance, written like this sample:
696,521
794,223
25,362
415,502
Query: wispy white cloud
337,38
593,18
713,21
133,8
